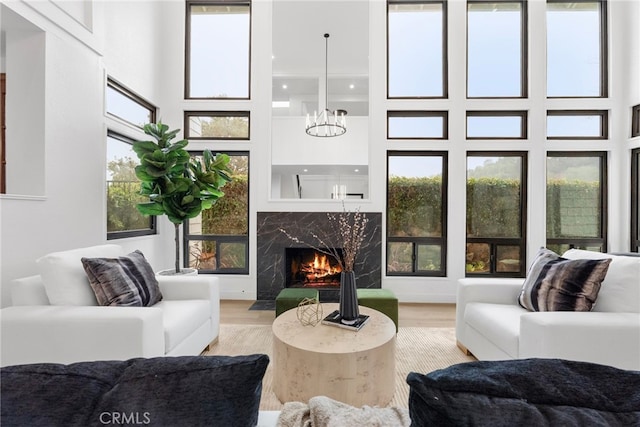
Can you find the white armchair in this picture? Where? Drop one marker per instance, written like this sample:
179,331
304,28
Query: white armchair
33,330
492,326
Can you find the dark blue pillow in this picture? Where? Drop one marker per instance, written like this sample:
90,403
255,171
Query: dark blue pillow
163,391
540,392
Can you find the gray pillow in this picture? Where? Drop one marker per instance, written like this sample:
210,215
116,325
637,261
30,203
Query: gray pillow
123,281
554,283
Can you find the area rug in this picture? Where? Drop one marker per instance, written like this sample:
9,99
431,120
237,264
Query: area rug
417,350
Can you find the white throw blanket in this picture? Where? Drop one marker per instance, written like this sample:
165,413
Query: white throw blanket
325,412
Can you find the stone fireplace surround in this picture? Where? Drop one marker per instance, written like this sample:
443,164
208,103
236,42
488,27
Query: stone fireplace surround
271,244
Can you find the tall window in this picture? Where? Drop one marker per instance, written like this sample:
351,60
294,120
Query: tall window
496,49
123,187
576,201
416,213
3,160
218,49
635,121
217,240
128,106
576,48
123,191
496,213
416,49
635,200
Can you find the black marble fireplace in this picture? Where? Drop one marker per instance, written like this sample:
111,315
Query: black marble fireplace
283,262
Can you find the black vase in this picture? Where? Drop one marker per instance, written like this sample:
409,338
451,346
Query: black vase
348,298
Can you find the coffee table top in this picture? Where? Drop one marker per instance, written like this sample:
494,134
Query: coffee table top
379,330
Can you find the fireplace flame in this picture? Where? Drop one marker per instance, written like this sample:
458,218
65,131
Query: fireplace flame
320,267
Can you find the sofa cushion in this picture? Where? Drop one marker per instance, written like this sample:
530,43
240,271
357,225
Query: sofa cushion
497,323
176,325
123,281
164,391
620,290
529,392
554,283
64,278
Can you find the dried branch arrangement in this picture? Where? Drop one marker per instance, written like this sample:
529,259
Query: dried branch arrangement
351,230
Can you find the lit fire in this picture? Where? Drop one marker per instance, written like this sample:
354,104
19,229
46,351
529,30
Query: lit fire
319,268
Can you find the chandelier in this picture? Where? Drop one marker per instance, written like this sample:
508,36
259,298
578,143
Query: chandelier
328,123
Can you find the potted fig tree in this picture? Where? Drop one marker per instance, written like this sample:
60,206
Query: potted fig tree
177,185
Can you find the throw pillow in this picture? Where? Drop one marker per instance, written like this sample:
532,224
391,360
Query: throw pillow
554,283
620,291
65,282
526,392
161,391
123,281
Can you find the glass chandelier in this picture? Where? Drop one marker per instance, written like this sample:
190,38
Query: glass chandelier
328,123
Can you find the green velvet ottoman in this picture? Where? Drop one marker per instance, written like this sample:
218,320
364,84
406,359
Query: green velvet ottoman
289,298
382,300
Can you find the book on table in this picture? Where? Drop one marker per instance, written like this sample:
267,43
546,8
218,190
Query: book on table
334,319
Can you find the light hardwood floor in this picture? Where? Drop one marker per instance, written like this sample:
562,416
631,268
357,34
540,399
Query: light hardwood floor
409,314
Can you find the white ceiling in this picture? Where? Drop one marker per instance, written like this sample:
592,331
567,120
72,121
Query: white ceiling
298,36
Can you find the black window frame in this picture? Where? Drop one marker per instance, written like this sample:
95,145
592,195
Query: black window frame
495,242
581,242
635,200
221,238
217,113
524,129
604,52
416,113
153,229
125,91
524,53
417,241
604,123
187,41
635,121
445,53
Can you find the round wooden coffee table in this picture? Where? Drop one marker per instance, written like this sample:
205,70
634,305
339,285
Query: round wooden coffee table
357,368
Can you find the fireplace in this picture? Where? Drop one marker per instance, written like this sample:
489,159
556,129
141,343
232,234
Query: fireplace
310,268
273,246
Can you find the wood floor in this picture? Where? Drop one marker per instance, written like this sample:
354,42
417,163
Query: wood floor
409,314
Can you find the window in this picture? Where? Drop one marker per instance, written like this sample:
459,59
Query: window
218,49
217,240
416,213
576,48
123,191
635,121
496,49
416,49
217,125
496,124
417,125
577,125
496,213
126,105
635,200
576,201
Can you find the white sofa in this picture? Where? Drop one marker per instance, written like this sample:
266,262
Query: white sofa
65,324
492,326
